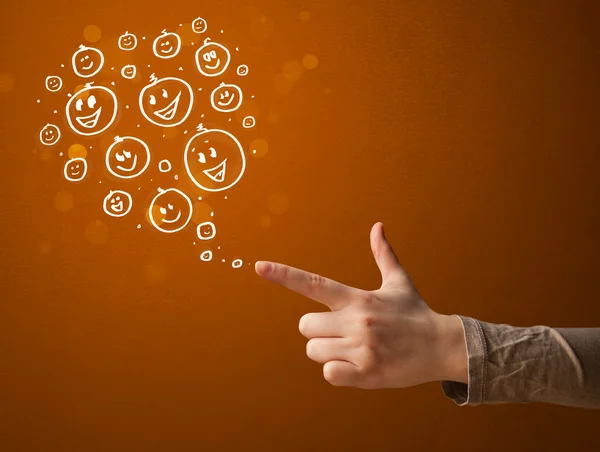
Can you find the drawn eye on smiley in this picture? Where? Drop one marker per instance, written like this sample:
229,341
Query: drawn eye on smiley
170,211
226,98
166,45
87,61
127,157
117,203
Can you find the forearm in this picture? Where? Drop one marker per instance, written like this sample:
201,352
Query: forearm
536,364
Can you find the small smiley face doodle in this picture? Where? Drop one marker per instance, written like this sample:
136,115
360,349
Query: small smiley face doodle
93,114
206,230
127,41
127,157
212,58
242,70
167,45
170,211
75,169
53,83
248,122
87,61
128,71
226,97
214,160
117,203
166,102
49,135
206,256
199,25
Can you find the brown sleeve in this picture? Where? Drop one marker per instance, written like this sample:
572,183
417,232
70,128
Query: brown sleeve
510,364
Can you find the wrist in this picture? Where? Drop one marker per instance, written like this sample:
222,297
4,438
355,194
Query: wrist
451,350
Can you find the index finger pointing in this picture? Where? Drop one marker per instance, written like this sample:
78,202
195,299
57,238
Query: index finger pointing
316,287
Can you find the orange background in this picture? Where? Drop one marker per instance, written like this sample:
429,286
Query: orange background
469,128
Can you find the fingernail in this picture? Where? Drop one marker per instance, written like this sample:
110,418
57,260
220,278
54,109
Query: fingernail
263,268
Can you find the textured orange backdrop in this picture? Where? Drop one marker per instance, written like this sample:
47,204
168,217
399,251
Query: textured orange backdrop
469,128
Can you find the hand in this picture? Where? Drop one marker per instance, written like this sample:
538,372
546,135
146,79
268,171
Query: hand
385,338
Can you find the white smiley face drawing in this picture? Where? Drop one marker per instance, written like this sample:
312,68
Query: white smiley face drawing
170,211
93,114
226,98
128,71
75,169
166,102
127,41
166,45
49,135
87,61
206,230
212,58
199,25
127,157
53,83
117,203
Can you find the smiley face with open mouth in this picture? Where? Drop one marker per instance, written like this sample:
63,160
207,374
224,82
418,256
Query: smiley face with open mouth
214,159
166,45
170,211
226,97
92,110
75,169
49,135
87,61
117,203
127,157
212,58
166,102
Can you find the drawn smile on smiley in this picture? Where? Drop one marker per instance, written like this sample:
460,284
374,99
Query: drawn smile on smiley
90,121
217,173
163,210
121,158
167,113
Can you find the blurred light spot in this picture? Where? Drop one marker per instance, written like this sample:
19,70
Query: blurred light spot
45,154
261,27
310,61
96,232
83,95
92,33
265,221
77,151
45,246
282,84
6,82
304,15
259,147
293,70
273,116
63,201
278,203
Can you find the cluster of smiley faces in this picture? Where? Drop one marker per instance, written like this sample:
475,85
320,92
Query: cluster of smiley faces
214,159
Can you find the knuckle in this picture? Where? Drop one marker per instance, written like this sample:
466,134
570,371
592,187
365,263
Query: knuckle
367,298
315,281
369,358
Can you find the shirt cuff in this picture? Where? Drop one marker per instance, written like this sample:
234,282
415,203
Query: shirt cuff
472,393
